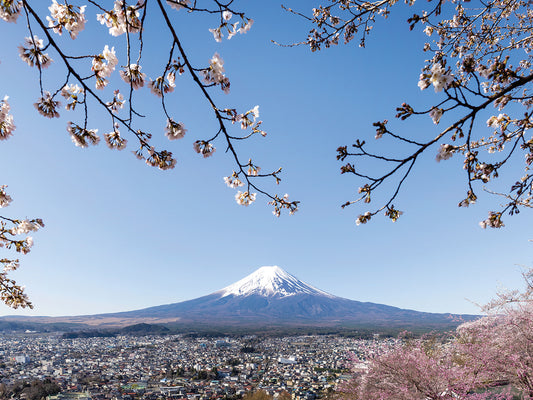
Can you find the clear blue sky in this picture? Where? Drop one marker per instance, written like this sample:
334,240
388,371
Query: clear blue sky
121,236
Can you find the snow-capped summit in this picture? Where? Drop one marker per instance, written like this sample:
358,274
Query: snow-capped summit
270,281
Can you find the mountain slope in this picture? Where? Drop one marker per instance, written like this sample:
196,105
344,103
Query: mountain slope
267,297
272,296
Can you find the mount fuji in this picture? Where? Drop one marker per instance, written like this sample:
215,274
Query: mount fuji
269,297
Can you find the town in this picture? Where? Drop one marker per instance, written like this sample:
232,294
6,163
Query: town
180,366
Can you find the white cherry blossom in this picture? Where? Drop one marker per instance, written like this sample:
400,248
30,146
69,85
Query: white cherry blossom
31,53
204,148
436,114
439,79
69,17
179,4
113,139
245,198
226,15
5,199
133,76
10,11
175,130
6,120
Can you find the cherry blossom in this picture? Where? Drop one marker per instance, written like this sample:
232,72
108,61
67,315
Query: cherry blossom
103,66
113,139
5,199
439,78
117,102
82,137
66,16
162,160
204,148
26,226
233,181
10,10
436,114
160,85
215,73
32,53
179,4
226,15
245,198
445,152
133,76
175,130
247,26
6,120
119,21
47,106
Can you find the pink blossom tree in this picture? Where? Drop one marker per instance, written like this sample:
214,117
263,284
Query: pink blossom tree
469,363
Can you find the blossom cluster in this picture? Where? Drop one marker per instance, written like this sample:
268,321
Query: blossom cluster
26,226
232,29
179,4
204,148
114,140
162,160
12,294
175,130
47,106
364,218
253,170
280,203
233,180
215,73
68,17
245,198
5,199
161,85
6,120
117,102
10,10
436,114
122,18
71,93
32,53
248,118
133,76
494,220
498,122
437,76
103,66
82,137
445,152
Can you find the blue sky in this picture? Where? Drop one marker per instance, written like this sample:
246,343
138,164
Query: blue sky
121,236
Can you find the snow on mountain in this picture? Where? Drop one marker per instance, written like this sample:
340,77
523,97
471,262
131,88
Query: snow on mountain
271,281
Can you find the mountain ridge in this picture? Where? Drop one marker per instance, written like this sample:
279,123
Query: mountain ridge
269,296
